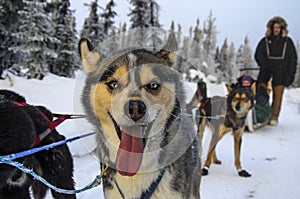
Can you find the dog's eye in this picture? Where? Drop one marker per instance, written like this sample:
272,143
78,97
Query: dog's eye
112,84
153,85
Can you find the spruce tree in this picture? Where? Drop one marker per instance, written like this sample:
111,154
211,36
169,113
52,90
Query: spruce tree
196,42
93,27
248,57
179,34
139,18
64,30
9,24
139,14
210,35
123,36
195,55
223,62
34,40
244,58
231,61
108,16
154,14
239,59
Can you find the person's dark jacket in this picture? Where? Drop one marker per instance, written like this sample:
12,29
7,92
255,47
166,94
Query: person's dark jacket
276,56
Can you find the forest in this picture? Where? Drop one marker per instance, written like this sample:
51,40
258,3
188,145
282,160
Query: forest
39,37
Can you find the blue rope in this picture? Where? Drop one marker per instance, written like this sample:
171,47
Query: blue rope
8,159
38,149
96,182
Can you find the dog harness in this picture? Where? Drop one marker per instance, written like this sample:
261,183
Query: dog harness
235,124
147,194
52,124
211,101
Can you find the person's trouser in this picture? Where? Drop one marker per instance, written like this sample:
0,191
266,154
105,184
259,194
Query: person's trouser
276,101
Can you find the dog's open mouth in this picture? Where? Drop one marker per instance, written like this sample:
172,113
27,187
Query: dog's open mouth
131,149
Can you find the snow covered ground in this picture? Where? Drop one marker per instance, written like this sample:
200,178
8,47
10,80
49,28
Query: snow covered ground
271,154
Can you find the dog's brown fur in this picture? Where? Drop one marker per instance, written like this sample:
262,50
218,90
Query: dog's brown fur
224,115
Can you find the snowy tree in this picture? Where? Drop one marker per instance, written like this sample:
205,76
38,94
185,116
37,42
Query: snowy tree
210,38
239,59
248,55
196,56
64,29
108,18
172,27
195,44
245,59
9,24
179,34
226,60
139,14
34,38
92,27
139,18
154,13
122,33
179,56
182,64
144,14
231,62
223,62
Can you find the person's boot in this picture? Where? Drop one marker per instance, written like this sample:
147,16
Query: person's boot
276,104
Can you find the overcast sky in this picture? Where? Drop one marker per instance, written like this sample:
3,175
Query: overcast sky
234,18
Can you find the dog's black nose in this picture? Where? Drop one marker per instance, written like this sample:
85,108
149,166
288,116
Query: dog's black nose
135,109
238,106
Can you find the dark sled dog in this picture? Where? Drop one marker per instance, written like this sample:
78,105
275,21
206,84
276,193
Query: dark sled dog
222,116
20,124
136,102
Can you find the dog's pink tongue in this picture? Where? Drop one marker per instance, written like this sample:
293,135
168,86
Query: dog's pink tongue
130,152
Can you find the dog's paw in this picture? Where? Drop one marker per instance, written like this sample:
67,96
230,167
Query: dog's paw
217,161
204,172
244,173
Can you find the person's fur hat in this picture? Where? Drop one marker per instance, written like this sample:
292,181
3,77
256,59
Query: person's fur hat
281,22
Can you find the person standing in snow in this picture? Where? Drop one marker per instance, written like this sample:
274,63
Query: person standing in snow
276,57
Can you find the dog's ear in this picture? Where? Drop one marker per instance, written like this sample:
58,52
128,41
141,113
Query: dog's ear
168,51
253,88
229,88
88,57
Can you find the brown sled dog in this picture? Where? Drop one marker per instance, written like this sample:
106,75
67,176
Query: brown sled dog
136,102
222,116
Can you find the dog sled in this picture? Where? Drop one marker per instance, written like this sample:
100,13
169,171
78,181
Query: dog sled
259,116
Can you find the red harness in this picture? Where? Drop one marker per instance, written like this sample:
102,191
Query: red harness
52,124
211,100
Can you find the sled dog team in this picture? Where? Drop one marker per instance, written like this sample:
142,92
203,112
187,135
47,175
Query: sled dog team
145,132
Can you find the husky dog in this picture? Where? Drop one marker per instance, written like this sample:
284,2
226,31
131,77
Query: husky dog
136,102
222,116
20,124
